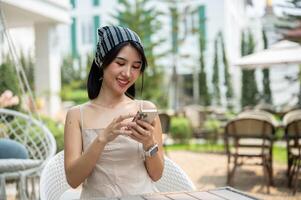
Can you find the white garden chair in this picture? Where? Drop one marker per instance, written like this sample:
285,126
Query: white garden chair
39,143
174,178
54,186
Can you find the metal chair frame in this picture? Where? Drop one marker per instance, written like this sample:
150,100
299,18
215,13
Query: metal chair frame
292,122
235,139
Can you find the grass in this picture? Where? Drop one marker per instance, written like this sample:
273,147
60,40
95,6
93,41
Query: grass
279,153
201,148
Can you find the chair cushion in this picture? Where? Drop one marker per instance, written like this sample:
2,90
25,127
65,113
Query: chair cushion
13,165
12,149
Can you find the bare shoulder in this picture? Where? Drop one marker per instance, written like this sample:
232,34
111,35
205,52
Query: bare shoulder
148,105
73,113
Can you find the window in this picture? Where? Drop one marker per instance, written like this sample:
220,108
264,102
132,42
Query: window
95,2
96,21
73,3
73,38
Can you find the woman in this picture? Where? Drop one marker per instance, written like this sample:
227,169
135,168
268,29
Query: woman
104,149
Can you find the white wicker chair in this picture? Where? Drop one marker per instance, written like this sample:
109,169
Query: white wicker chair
39,143
54,186
173,178
53,182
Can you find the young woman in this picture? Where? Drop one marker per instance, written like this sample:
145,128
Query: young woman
104,149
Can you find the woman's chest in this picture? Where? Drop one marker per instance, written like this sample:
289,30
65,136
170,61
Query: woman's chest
120,149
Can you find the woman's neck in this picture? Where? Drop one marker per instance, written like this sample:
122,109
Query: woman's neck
109,100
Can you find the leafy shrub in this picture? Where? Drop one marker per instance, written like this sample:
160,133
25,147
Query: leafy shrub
27,62
9,80
181,130
212,125
77,96
212,128
57,129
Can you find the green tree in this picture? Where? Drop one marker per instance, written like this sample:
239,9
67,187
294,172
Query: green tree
249,89
216,94
227,75
174,82
74,76
205,98
267,94
68,72
143,19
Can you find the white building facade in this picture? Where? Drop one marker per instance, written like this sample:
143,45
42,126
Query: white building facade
230,17
50,41
209,16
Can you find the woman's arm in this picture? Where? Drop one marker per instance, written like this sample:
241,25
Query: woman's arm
78,165
155,164
149,135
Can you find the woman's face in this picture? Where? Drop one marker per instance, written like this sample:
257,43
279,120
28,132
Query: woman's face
123,71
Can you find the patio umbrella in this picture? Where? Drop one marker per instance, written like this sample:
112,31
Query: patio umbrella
283,52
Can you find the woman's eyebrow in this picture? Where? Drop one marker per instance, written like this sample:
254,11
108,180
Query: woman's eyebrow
121,58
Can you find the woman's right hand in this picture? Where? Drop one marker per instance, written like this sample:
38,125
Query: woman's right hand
117,127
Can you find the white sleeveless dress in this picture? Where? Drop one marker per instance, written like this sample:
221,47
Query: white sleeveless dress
120,169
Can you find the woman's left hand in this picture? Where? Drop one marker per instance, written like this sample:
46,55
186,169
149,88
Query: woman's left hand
143,132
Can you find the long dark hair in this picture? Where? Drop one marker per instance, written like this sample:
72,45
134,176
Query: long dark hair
94,82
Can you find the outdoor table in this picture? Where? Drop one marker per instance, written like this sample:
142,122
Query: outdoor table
213,194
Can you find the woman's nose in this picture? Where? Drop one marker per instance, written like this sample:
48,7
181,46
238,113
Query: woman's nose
127,71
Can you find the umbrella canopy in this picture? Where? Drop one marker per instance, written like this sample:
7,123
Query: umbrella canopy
283,52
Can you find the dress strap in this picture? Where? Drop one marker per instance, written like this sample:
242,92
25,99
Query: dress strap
140,104
81,117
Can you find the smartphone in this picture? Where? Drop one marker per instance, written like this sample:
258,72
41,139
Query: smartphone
147,115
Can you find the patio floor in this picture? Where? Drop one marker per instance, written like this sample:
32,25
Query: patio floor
209,171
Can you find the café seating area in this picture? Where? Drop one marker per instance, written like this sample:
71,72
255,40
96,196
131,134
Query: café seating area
249,139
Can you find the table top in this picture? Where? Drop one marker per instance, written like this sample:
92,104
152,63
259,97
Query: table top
214,194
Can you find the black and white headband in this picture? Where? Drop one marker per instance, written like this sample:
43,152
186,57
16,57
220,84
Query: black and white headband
111,36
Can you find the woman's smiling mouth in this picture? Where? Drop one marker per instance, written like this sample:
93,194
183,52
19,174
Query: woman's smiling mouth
122,82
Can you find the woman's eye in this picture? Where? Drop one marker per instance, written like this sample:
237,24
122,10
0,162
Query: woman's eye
120,63
137,66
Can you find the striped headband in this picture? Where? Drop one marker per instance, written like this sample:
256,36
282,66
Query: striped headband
111,36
